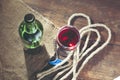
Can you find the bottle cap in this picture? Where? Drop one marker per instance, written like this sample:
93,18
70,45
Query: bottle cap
55,62
29,18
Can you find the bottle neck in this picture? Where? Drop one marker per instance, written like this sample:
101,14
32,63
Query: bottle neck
31,27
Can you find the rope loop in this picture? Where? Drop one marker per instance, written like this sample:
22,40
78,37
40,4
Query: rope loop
78,54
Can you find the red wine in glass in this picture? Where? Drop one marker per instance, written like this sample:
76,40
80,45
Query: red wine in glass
68,37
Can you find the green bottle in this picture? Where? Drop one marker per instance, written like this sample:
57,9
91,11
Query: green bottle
31,32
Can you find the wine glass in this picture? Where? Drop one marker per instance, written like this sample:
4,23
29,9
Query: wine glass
68,38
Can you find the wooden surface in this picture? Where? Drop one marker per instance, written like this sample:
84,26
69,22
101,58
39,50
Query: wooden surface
15,62
105,65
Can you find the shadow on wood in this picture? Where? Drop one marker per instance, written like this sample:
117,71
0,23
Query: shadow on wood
36,59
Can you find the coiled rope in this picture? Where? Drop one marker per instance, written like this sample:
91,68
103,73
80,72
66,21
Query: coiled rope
78,54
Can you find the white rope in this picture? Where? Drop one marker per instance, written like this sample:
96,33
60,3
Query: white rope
98,49
65,76
78,54
79,15
60,73
87,39
55,68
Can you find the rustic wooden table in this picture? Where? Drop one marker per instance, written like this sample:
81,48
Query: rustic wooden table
105,65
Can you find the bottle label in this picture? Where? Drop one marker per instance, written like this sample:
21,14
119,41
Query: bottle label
32,40
33,37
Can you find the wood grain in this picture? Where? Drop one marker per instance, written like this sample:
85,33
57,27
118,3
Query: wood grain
105,65
15,63
58,11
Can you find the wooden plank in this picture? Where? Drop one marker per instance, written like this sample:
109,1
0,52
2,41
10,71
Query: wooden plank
13,59
103,66
58,11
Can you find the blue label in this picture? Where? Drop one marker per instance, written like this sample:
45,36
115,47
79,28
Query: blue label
55,62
